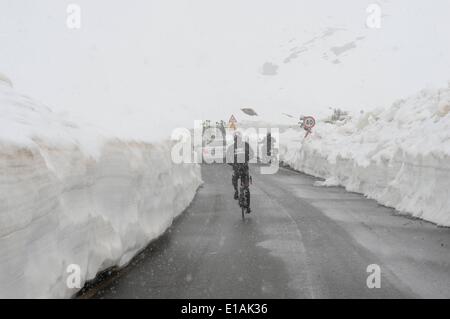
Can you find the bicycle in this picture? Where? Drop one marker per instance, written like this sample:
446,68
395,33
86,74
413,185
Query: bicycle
244,194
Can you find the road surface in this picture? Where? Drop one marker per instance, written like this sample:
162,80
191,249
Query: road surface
300,241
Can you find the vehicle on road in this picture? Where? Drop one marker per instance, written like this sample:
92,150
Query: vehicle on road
214,151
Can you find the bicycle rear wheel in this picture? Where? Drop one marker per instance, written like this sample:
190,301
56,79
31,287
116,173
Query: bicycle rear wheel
243,213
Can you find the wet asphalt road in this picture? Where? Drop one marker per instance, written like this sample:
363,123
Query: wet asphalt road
300,241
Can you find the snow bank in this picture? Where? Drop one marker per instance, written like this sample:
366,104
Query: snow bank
399,156
70,195
4,80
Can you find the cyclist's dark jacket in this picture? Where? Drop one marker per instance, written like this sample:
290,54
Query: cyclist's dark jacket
236,153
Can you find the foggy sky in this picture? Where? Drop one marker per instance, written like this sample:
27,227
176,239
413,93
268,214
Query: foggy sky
150,66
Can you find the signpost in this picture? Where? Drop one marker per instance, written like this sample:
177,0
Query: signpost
308,123
232,122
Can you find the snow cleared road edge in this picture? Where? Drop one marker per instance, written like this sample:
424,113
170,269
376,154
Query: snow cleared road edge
64,201
399,156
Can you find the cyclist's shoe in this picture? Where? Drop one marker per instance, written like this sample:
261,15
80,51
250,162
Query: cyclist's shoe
236,195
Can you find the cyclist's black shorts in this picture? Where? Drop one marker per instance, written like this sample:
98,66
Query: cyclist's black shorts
240,169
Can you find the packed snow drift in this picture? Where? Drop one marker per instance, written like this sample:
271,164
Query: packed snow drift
70,195
399,156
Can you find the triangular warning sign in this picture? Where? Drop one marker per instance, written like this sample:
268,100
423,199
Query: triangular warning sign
232,119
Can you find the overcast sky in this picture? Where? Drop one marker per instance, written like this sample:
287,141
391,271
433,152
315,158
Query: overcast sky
152,65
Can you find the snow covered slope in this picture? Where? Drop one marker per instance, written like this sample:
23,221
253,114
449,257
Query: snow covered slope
399,156
70,195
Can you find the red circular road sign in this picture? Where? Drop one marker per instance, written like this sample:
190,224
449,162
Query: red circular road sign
309,122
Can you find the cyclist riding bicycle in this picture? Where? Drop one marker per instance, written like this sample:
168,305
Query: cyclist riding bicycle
241,155
268,148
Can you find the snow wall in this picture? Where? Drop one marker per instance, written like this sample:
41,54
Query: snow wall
399,156
69,195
